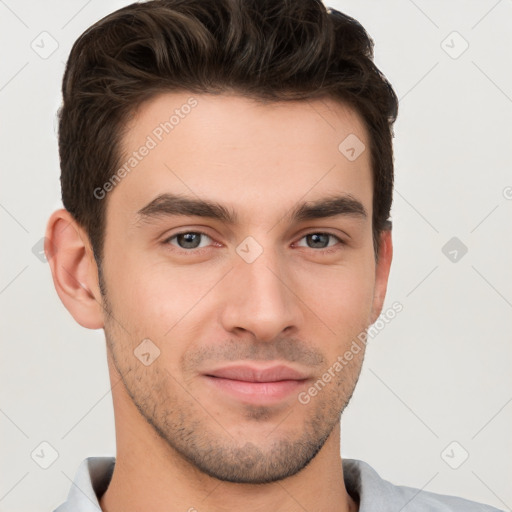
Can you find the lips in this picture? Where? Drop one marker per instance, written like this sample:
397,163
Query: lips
253,374
256,385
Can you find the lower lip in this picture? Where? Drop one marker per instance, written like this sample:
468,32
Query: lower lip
257,392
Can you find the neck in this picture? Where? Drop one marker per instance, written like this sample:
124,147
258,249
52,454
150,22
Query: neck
149,475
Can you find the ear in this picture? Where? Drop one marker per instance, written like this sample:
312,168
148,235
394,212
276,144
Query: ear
74,270
382,269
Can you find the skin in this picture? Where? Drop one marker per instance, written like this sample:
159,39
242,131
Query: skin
181,443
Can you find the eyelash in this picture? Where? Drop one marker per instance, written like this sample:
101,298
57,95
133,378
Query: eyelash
200,250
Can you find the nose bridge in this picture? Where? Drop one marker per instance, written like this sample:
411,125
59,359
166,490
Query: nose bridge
261,301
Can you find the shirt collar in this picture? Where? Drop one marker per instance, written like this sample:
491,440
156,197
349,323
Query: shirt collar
94,474
91,481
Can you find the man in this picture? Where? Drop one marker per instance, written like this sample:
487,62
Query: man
227,177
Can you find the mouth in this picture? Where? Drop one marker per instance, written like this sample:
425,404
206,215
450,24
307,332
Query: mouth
257,385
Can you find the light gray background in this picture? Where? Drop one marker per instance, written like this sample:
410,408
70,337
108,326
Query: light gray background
438,373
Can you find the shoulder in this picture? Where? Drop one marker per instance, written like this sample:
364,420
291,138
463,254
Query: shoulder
375,493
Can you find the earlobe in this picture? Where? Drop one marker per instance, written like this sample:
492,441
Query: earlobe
382,269
74,270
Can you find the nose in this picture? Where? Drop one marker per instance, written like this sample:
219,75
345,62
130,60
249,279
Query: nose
261,299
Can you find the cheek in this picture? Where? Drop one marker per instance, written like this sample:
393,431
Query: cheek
137,294
340,295
152,298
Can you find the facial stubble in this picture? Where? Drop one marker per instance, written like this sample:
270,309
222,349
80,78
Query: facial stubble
196,436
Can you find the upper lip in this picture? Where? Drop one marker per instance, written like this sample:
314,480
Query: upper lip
254,374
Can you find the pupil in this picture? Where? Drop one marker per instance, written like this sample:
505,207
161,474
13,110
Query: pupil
319,238
191,240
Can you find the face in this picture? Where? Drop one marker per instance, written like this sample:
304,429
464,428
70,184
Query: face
239,268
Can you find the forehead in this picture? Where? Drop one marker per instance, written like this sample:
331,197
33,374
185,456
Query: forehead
243,153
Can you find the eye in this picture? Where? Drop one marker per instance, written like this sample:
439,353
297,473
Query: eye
192,241
319,240
188,240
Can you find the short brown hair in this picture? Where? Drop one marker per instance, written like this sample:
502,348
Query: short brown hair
268,50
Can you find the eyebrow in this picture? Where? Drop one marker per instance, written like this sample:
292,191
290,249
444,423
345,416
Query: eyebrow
166,205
